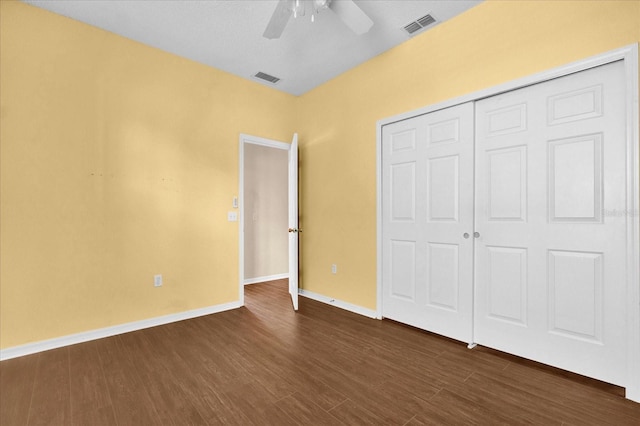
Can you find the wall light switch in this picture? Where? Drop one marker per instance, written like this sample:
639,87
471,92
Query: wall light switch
157,280
232,216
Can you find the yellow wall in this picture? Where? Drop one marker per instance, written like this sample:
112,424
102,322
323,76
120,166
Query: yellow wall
118,162
492,43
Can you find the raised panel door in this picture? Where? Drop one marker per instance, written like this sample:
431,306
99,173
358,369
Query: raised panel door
427,193
550,261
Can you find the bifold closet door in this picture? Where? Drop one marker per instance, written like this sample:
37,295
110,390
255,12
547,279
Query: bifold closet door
427,199
550,210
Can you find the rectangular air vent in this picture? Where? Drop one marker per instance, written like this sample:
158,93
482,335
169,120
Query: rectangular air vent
419,24
412,27
426,20
266,77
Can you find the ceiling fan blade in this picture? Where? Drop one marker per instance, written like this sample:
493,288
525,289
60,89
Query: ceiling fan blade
351,14
278,21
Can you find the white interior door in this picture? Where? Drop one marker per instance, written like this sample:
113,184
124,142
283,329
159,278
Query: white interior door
293,221
427,242
550,211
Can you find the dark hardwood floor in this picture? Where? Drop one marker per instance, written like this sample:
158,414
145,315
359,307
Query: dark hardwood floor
264,364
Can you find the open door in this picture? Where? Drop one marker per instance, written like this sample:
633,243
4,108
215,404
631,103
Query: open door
293,221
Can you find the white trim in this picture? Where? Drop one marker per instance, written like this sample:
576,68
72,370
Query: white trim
72,339
338,303
632,390
266,278
379,125
254,140
629,54
270,143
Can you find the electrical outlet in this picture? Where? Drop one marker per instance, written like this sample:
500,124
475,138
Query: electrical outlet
334,268
157,280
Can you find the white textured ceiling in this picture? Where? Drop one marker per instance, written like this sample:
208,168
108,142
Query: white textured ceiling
227,34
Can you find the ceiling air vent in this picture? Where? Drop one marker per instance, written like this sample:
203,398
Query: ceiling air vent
419,24
266,77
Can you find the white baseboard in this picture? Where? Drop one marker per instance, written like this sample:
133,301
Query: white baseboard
338,303
72,339
265,279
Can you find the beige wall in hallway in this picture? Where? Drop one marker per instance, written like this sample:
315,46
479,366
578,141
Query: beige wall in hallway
266,242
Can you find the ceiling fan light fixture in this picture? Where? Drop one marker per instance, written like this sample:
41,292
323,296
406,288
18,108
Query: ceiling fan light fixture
348,12
298,8
319,5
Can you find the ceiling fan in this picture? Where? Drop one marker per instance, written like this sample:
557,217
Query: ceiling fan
349,12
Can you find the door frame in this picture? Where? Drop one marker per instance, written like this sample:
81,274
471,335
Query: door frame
628,54
249,140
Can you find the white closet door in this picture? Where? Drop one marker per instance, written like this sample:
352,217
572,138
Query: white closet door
427,208
550,193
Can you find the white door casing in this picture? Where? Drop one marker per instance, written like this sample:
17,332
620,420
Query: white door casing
293,221
567,259
550,260
428,211
292,208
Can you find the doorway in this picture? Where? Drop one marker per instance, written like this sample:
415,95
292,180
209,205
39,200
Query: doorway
263,205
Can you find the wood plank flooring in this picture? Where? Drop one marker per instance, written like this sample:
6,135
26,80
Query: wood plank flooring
264,364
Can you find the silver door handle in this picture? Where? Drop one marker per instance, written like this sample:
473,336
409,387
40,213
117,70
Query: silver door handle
476,235
466,235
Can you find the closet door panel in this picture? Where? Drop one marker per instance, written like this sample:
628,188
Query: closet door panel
550,260
427,208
